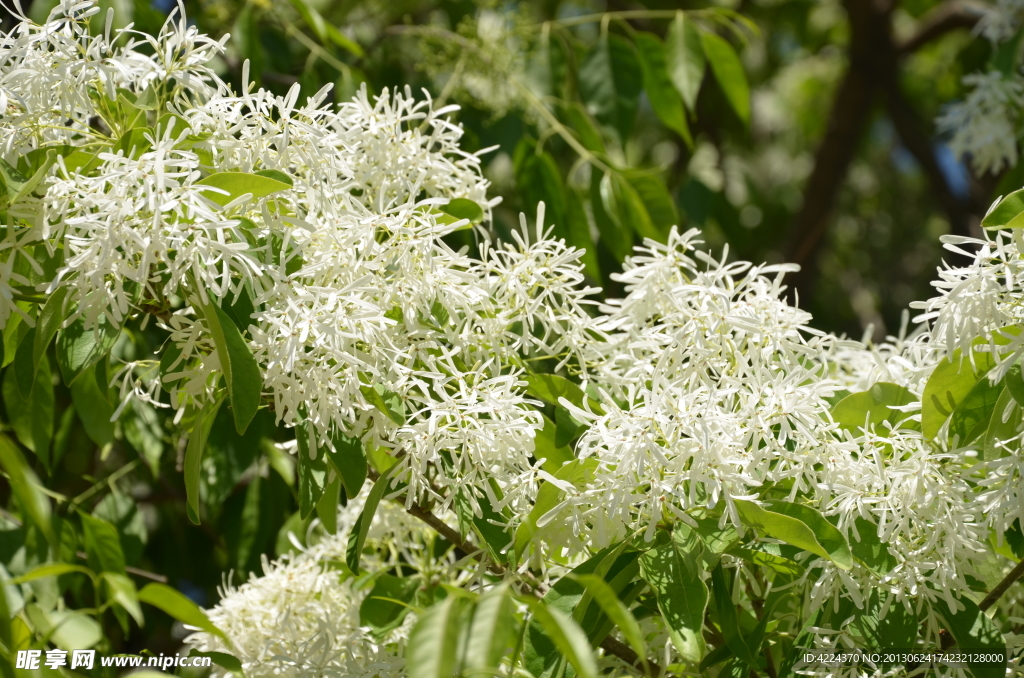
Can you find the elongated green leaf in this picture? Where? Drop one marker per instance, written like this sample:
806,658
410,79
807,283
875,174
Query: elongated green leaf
551,387
728,70
24,368
31,415
626,209
727,619
583,125
664,98
1014,382
433,642
610,81
605,597
953,379
102,545
241,372
896,631
194,456
566,635
973,414
232,185
684,55
654,195
461,208
327,507
324,30
221,659
312,470
1002,426
79,348
387,402
1009,213
800,526
346,455
975,633
26,487
357,538
50,319
178,606
122,591
769,560
873,407
672,570
51,570
540,181
870,550
545,447
491,631
93,409
389,601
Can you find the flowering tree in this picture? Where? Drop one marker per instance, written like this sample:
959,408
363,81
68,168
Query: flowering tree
495,474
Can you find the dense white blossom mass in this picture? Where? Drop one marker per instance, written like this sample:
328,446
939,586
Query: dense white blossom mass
704,387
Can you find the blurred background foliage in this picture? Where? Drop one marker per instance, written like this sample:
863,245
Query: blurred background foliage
807,137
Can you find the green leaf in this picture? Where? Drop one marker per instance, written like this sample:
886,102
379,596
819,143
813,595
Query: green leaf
94,411
178,606
953,379
385,607
491,630
346,455
51,570
551,387
1014,381
577,472
873,407
276,175
727,620
241,372
728,70
31,417
79,348
565,634
654,195
324,30
673,572
387,402
684,55
361,528
618,241
973,414
24,368
1009,213
487,526
327,507
627,210
26,487
974,632
133,143
870,551
801,526
102,545
221,659
1002,426
194,456
312,469
73,630
50,319
774,562
617,612
539,180
583,125
461,208
610,81
579,233
664,98
122,591
433,641
546,448
897,631
232,185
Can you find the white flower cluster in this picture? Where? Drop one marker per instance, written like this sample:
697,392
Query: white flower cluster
345,279
986,125
301,617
